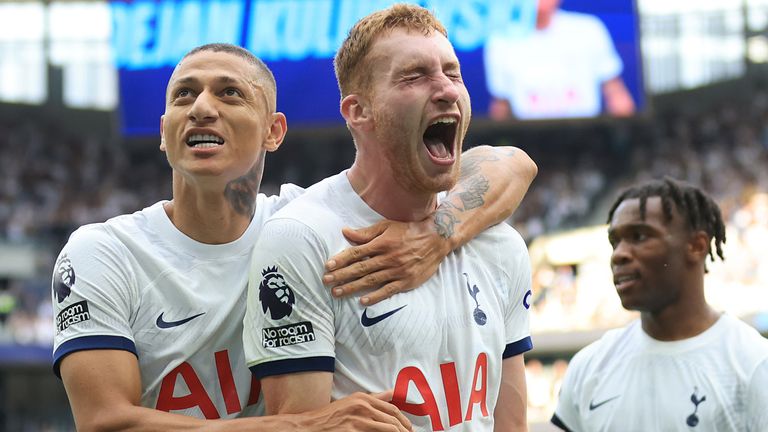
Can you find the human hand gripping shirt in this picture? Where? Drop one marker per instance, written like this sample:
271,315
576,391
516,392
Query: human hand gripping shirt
440,347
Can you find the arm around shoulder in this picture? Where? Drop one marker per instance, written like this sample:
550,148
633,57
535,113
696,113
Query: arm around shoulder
104,391
398,256
491,186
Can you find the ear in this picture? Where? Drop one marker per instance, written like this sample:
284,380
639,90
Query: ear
162,134
357,112
277,129
698,247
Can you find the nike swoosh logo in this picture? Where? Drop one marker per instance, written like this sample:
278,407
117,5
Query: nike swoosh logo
168,324
368,321
593,406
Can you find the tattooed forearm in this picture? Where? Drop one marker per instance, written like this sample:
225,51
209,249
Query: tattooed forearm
242,191
471,195
476,187
492,184
471,190
445,220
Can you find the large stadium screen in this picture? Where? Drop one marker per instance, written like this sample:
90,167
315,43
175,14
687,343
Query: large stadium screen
521,59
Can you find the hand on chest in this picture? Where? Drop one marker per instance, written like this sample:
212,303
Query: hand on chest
442,313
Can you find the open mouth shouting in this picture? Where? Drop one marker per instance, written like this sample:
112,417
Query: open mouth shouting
204,141
440,139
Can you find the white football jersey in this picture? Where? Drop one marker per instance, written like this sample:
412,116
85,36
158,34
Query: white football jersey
440,346
627,381
554,72
137,283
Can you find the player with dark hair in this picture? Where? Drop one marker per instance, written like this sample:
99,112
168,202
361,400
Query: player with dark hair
149,306
452,349
700,211
684,366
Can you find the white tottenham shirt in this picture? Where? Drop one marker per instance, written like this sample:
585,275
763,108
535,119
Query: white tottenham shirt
627,381
138,284
557,72
439,346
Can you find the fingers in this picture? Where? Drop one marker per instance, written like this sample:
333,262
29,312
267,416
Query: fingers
392,259
359,412
363,238
351,270
388,413
345,258
385,396
382,293
395,421
364,235
356,278
353,255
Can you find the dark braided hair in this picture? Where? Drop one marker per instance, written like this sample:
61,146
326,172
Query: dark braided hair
699,210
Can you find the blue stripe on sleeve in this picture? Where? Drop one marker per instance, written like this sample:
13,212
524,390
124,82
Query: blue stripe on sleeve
559,423
518,347
282,367
90,343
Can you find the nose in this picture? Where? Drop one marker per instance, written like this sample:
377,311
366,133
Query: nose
447,91
203,110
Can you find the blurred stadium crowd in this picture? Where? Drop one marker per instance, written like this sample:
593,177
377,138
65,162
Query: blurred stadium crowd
54,181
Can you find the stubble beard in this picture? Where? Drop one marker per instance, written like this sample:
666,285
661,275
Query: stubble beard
405,163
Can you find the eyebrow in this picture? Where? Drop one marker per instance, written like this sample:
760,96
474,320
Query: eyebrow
416,66
631,225
222,79
452,64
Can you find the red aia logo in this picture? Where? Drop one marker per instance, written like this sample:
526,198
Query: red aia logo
197,396
452,397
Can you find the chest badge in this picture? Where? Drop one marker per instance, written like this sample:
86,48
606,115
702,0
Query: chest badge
693,419
478,314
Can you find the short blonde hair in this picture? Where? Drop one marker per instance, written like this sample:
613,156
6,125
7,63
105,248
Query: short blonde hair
350,63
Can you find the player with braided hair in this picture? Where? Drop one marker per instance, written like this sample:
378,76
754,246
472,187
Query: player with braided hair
683,366
700,211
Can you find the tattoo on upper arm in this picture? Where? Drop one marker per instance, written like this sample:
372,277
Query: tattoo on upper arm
470,164
508,151
470,190
473,197
242,191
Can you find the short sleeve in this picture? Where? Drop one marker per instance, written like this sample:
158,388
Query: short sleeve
757,399
517,310
289,324
93,293
567,409
608,64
